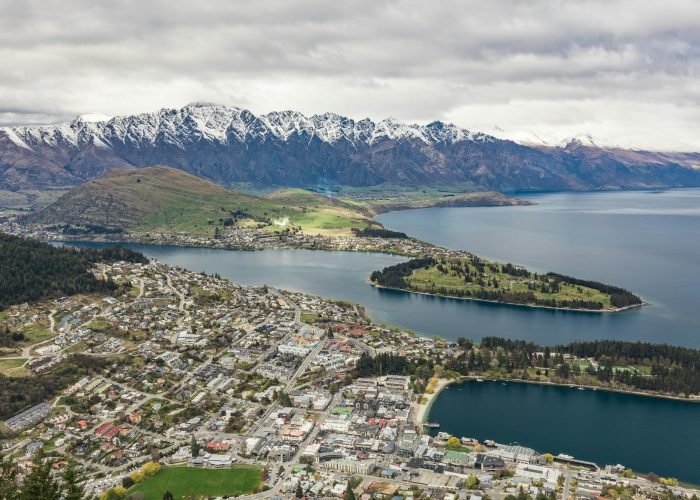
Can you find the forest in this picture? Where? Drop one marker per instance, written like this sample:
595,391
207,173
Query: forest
19,393
619,297
638,365
31,270
394,276
660,368
375,232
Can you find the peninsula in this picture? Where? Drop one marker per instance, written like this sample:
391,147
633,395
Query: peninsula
473,278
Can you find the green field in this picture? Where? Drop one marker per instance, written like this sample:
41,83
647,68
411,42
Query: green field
99,325
310,317
11,367
189,481
35,333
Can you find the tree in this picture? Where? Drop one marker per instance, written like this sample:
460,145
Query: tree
349,494
283,399
472,482
39,483
465,343
137,476
151,468
548,457
194,447
299,493
168,496
116,493
8,477
72,478
453,442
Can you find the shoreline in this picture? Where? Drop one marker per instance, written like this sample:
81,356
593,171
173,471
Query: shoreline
532,306
423,411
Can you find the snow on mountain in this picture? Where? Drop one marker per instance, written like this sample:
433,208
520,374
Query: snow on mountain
224,124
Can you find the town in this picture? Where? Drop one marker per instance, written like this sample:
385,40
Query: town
185,373
233,238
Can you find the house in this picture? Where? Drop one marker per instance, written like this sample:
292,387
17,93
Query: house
217,447
488,462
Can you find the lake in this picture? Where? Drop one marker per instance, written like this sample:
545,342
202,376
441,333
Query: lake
648,242
644,433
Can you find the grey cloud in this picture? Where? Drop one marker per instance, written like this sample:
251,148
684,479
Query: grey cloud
412,59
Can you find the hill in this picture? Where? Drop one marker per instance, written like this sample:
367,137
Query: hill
31,270
229,145
167,200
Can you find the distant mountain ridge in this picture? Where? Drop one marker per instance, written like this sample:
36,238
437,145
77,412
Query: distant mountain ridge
228,145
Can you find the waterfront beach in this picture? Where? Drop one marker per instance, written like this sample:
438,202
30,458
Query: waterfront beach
422,407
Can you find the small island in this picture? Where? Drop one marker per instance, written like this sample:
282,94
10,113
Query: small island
471,277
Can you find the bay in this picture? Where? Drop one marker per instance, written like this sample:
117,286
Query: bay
646,241
647,434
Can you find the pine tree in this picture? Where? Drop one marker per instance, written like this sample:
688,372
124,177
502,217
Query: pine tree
168,496
194,447
8,476
299,493
349,494
39,483
71,479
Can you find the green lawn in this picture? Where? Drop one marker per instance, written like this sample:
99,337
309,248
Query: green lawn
310,317
189,481
99,325
11,367
35,333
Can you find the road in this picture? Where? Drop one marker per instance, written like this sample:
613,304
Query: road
305,364
567,485
180,306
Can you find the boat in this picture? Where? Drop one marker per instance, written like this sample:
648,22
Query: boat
431,425
581,389
480,380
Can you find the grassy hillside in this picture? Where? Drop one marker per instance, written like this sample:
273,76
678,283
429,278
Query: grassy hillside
386,197
162,199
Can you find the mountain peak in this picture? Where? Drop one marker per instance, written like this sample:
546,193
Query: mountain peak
227,144
92,118
579,140
222,124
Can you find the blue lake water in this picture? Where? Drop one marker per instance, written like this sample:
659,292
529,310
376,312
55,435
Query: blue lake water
644,433
648,242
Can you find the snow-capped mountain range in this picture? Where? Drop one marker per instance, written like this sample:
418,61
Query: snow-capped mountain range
225,124
227,144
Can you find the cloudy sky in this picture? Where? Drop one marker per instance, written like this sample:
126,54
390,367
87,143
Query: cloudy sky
625,72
